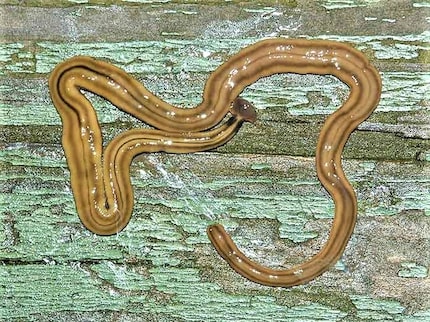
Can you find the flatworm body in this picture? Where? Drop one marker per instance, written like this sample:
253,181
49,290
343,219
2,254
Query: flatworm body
100,177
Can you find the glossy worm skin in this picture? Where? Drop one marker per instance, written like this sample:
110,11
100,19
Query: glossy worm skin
101,179
352,68
102,191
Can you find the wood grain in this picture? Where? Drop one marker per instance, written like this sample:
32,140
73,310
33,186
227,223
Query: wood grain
162,266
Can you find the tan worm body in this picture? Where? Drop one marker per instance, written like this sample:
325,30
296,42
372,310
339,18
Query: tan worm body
101,183
100,179
351,67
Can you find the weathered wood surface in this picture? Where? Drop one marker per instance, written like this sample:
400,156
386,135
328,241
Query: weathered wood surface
262,186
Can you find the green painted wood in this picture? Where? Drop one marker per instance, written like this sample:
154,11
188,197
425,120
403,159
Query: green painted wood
262,185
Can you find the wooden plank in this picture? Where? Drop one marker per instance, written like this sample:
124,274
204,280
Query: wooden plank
177,197
262,185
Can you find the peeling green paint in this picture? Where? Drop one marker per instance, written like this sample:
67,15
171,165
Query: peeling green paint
413,270
162,266
376,310
342,4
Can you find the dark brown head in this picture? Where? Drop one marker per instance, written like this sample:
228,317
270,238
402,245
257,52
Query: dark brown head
244,110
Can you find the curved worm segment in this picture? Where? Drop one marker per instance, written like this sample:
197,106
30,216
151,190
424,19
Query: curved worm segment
247,268
351,67
100,177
